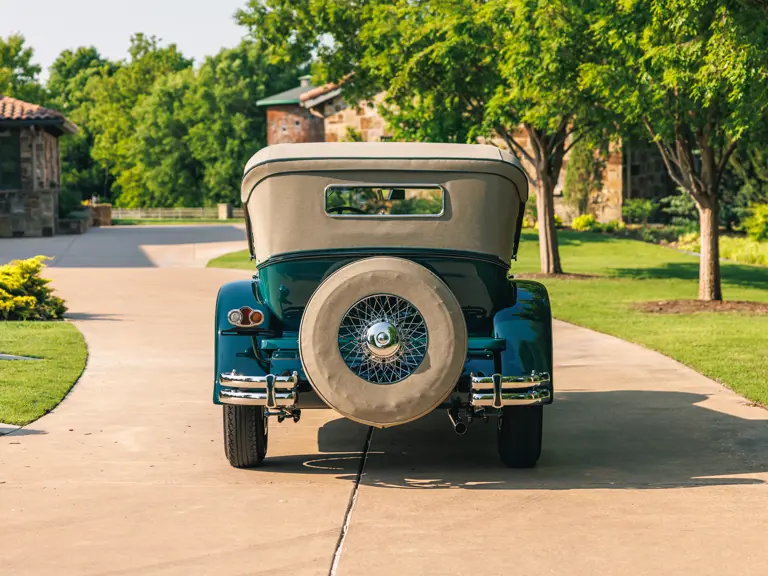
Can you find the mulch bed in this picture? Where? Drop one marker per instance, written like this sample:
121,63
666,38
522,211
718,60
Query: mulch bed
540,275
693,306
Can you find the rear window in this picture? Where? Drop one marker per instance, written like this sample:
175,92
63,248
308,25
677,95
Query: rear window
384,200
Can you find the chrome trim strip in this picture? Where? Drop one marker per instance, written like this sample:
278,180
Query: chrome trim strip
497,391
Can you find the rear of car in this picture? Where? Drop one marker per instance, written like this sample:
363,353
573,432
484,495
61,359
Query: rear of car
382,291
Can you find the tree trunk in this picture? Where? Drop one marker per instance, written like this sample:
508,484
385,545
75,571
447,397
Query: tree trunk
709,264
545,204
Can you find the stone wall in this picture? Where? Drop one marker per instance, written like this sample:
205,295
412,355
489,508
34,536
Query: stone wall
32,209
291,124
28,212
364,119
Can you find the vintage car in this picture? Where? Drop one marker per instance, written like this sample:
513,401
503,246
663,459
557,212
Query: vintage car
383,291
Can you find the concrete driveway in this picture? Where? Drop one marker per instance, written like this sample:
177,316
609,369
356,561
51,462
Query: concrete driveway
648,467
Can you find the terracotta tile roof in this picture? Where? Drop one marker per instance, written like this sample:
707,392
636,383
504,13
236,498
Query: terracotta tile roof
322,90
15,110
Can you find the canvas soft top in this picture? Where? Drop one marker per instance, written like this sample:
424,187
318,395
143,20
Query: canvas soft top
404,156
284,195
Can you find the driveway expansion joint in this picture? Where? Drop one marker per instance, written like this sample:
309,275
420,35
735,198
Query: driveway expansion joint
351,506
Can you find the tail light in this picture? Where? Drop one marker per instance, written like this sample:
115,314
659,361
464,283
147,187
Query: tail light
245,317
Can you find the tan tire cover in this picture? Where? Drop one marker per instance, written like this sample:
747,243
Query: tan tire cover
383,405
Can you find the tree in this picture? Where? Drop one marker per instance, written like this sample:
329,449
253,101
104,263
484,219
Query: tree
81,176
116,93
18,74
453,71
544,44
195,130
225,125
584,178
693,74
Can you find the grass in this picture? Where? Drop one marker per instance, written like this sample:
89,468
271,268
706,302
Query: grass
729,347
170,221
240,259
31,388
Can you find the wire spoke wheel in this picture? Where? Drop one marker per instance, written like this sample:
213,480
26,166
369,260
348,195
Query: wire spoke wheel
383,338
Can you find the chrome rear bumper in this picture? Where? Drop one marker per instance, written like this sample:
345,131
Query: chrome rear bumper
498,391
270,390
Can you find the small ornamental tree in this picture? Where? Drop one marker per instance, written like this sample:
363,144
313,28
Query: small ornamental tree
693,75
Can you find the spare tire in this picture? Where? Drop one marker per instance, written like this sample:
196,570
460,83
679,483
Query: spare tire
383,341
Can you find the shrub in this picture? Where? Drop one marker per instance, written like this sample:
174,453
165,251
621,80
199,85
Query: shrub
689,242
68,201
744,250
734,248
24,295
680,209
756,224
638,210
584,223
613,226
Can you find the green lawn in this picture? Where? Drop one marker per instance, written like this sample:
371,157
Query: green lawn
240,259
729,347
171,221
29,389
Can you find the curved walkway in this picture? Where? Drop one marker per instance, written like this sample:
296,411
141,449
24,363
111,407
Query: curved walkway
648,467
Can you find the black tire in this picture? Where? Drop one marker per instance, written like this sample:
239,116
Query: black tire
519,435
245,435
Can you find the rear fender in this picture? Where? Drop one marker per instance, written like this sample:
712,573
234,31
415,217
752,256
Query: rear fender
527,328
234,347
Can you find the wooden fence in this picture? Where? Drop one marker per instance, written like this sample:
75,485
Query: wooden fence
211,213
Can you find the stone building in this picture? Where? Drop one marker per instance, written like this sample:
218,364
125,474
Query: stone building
290,122
30,169
320,114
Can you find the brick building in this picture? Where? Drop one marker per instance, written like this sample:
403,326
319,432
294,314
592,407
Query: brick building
30,171
320,114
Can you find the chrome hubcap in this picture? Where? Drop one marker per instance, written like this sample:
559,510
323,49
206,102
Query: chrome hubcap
383,338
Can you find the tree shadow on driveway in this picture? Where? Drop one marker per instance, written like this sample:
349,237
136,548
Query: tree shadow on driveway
603,440
120,247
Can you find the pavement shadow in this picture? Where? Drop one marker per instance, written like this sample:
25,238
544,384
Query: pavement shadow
93,316
116,247
602,440
12,431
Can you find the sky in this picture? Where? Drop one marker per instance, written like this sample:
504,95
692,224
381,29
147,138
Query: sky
199,27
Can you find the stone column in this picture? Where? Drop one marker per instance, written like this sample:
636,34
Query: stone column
225,211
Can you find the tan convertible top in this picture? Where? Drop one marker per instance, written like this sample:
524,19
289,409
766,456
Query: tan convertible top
284,186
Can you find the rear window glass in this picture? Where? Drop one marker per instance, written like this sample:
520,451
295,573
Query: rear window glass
384,200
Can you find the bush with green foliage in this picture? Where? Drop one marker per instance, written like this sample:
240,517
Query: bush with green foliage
613,226
680,210
734,248
638,210
585,223
756,224
584,177
24,295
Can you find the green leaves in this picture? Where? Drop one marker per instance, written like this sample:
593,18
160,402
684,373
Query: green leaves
18,74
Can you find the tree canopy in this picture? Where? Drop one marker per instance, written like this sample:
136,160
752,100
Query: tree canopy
693,74
453,71
18,73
